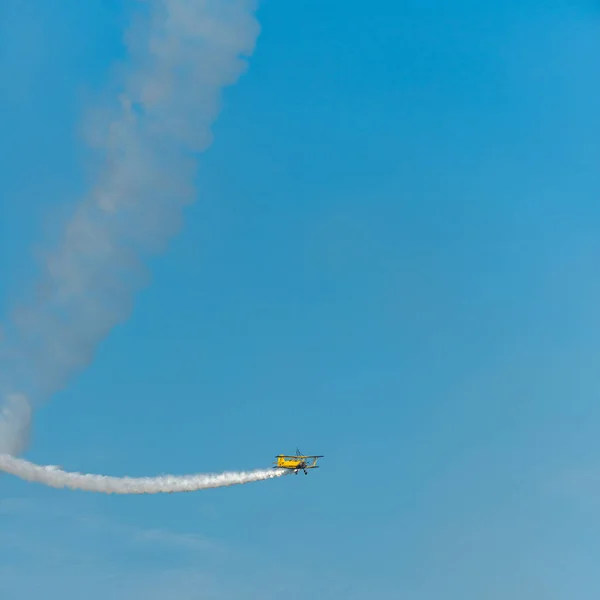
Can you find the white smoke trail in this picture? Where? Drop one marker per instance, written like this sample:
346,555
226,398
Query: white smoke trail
57,478
15,419
181,54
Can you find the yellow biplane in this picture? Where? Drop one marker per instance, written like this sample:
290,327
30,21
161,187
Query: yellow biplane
298,462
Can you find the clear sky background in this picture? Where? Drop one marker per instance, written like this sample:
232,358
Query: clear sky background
393,261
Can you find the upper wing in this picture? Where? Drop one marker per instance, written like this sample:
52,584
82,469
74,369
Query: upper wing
298,456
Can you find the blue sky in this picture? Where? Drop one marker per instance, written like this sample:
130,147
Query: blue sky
392,261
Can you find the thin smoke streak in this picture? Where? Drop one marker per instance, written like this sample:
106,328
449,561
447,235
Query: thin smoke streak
105,484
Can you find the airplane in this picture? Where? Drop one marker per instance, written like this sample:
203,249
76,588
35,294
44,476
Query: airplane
297,462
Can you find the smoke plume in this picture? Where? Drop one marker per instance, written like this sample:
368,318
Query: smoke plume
15,419
181,54
57,478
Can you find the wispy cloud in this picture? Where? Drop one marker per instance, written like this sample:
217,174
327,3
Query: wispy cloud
141,535
13,506
97,523
76,554
101,581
